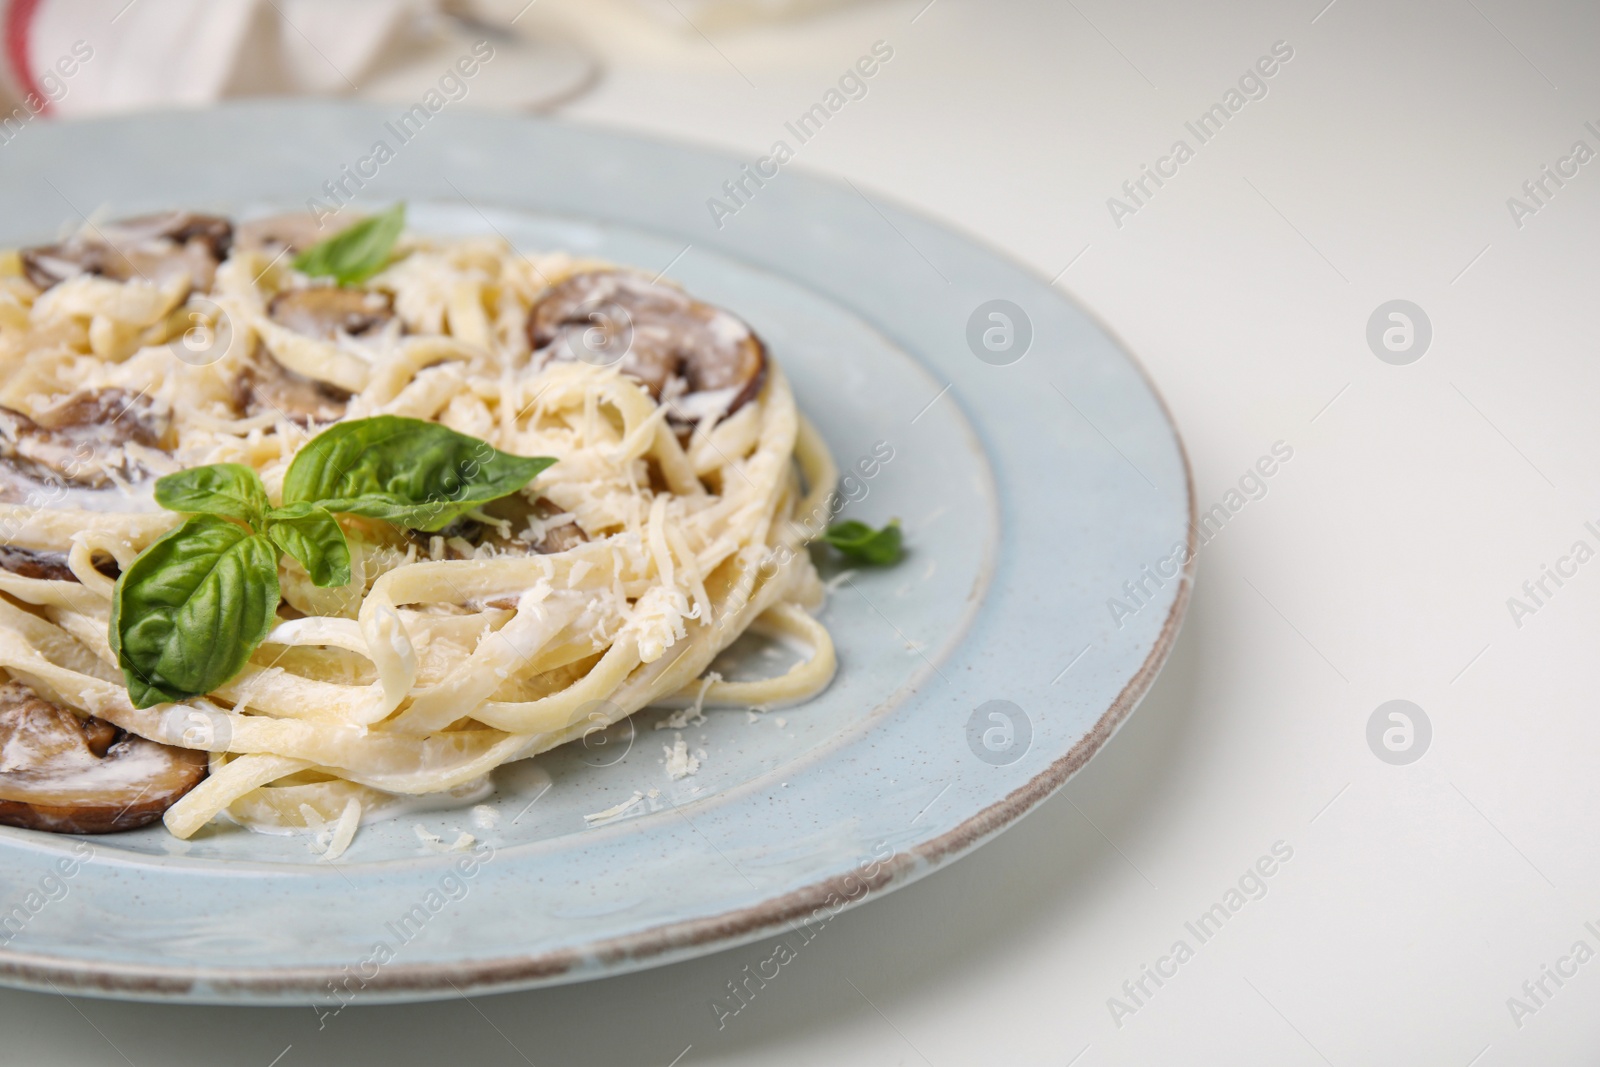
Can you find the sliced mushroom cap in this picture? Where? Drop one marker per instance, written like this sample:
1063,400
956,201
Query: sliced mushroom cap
50,566
155,248
697,359
326,311
83,776
560,538
264,385
80,443
29,563
294,232
520,528
110,415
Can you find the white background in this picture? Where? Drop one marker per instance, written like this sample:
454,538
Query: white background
1378,566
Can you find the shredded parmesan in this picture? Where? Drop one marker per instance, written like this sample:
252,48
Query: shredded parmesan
680,763
614,812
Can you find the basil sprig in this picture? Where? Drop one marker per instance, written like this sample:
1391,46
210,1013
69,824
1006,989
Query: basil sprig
357,252
861,543
189,611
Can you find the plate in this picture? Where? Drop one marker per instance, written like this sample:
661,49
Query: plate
1044,493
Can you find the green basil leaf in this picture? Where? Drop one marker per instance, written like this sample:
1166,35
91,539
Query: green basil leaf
188,612
862,543
312,536
356,253
229,489
412,473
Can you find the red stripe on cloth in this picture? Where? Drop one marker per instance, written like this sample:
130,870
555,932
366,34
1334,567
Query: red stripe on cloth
19,36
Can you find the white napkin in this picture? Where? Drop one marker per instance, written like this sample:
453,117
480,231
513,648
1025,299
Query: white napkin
78,57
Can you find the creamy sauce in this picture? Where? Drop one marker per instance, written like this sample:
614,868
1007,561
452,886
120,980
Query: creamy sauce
392,806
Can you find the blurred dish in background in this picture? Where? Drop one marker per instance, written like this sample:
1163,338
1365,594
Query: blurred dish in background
529,72
717,14
88,57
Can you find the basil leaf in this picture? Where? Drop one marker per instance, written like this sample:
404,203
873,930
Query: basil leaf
187,613
229,489
312,536
862,543
356,253
412,473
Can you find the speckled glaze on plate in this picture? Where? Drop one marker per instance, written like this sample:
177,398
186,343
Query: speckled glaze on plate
975,677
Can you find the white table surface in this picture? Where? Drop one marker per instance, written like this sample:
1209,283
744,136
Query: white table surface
1418,898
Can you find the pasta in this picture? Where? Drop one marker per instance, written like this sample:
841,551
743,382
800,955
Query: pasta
671,522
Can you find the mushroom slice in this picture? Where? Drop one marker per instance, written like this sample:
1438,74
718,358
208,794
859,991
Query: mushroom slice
265,385
81,442
560,538
276,234
521,528
697,359
109,415
83,776
29,563
553,539
326,312
155,248
51,566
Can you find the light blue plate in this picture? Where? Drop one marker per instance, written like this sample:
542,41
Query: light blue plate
1035,484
